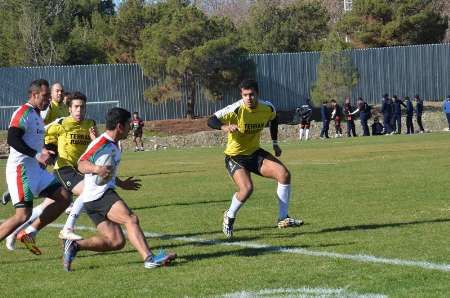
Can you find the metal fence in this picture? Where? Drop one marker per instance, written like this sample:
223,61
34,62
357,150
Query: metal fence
285,79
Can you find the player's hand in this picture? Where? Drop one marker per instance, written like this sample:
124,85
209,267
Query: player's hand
277,150
230,128
129,184
93,133
103,171
45,156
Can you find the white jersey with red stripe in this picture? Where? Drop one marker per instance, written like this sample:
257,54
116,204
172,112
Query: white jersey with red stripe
104,144
29,120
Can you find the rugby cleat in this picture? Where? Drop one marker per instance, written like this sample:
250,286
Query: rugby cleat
70,249
227,227
68,234
289,222
6,197
29,242
10,242
161,259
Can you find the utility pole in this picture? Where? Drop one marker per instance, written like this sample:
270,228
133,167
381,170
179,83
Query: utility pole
347,7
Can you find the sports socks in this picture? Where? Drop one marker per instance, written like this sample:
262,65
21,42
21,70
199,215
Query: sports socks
306,134
37,211
301,133
284,194
74,214
234,207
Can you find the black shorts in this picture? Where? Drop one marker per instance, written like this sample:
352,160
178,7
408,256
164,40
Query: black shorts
98,209
137,133
251,163
68,177
305,124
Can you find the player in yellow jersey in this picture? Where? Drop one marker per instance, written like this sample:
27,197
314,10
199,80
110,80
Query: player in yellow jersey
57,108
71,136
244,121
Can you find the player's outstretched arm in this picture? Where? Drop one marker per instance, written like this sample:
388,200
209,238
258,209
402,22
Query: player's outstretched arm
273,125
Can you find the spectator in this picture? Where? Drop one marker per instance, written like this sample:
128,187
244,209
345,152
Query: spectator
409,116
348,109
364,115
386,110
326,116
397,123
377,127
446,108
304,112
336,116
419,111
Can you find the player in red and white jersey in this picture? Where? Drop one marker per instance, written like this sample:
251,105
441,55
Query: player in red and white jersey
25,174
103,205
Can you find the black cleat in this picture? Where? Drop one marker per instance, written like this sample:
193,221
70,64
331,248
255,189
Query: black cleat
6,197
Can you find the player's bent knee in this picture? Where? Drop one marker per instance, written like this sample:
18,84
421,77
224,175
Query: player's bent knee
285,177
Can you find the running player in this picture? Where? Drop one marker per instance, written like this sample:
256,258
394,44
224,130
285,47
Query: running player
25,175
137,125
244,121
103,205
70,135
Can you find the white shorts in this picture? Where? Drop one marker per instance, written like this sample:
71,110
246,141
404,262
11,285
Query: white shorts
27,181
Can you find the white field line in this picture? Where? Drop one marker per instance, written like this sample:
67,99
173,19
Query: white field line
302,292
301,251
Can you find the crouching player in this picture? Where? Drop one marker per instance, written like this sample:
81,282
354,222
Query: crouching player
103,205
244,121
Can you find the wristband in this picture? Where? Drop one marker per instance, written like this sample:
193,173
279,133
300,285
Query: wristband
274,142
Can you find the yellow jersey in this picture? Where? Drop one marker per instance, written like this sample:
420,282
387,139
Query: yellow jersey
250,122
71,137
54,111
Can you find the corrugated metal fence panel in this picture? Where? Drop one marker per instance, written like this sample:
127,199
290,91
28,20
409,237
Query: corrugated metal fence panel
285,79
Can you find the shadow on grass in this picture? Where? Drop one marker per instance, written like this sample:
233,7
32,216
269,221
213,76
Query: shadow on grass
179,204
163,173
378,226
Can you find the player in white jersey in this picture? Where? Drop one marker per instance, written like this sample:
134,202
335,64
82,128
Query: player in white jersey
103,205
25,174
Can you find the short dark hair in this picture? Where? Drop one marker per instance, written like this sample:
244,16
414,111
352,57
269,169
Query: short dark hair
36,85
76,96
116,116
332,100
135,113
249,84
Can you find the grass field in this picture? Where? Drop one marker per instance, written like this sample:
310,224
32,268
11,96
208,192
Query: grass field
377,213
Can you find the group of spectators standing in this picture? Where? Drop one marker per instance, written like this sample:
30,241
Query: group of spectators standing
391,109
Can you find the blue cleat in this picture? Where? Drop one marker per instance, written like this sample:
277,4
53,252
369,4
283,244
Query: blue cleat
161,259
70,249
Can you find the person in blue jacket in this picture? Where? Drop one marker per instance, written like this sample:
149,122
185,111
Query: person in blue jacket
398,103
386,110
326,117
419,112
409,116
446,108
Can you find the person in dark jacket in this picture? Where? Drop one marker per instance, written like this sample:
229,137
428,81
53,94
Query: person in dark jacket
326,117
419,111
398,103
377,127
386,110
409,116
336,116
305,113
364,110
348,110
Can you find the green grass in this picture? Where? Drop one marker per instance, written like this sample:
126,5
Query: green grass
381,196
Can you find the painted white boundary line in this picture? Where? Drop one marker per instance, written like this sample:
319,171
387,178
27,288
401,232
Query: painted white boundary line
301,251
302,292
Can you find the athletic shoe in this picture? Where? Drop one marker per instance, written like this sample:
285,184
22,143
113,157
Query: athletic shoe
289,222
10,242
161,259
227,227
70,249
6,197
29,242
68,234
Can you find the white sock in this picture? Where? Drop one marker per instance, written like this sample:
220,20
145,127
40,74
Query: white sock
234,207
37,211
301,133
31,230
284,194
306,134
74,214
